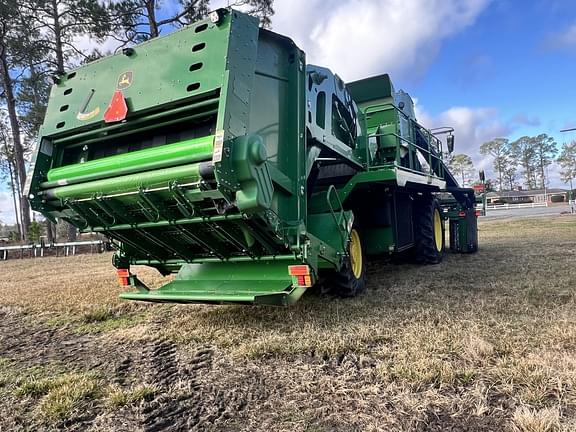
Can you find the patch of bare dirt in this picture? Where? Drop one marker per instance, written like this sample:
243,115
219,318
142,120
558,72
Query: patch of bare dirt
192,391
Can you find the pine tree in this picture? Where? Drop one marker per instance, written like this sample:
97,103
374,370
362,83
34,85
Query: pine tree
7,167
462,165
499,149
138,20
567,161
11,52
524,150
60,22
545,151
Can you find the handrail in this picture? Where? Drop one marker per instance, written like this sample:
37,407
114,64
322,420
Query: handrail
338,222
432,139
431,156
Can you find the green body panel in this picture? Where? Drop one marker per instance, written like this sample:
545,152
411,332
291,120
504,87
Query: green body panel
379,240
256,188
160,77
319,203
463,230
325,226
257,282
234,161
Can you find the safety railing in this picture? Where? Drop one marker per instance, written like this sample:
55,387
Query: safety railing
432,154
516,206
342,216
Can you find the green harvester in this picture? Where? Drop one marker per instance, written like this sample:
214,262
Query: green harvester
217,153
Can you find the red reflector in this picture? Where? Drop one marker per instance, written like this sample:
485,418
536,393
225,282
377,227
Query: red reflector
478,213
304,280
117,109
462,214
123,273
298,270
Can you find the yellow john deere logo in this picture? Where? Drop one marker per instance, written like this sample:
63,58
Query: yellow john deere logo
124,80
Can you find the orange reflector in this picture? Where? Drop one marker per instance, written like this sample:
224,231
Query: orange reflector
304,280
124,281
117,109
298,270
123,273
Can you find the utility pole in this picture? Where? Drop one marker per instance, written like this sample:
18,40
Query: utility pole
571,197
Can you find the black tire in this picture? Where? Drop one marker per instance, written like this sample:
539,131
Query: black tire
345,283
425,247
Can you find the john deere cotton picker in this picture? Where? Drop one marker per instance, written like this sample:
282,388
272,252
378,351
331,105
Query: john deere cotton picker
217,153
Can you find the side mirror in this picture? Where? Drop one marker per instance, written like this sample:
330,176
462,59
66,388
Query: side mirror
450,143
482,176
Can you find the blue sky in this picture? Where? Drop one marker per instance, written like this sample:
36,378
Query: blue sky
487,67
517,57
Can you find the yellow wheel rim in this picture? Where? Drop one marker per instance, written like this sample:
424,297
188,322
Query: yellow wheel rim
438,230
355,254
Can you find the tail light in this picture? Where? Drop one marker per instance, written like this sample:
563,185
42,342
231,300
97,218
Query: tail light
123,277
300,275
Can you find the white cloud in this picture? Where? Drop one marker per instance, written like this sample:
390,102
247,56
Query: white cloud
562,40
7,215
86,44
553,174
473,126
358,38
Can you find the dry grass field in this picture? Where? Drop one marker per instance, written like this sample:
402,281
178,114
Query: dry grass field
483,342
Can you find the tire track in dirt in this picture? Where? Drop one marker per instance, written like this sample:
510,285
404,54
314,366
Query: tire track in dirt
191,391
189,400
34,344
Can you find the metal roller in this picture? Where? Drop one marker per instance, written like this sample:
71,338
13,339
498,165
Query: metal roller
128,183
185,152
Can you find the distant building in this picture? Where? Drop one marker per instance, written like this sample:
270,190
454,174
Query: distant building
527,196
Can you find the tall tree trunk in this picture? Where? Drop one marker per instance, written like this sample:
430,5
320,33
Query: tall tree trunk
18,149
14,201
59,52
151,10
49,225
49,232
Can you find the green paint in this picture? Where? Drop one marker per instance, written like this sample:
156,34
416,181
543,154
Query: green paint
229,211
128,183
258,282
189,151
379,241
